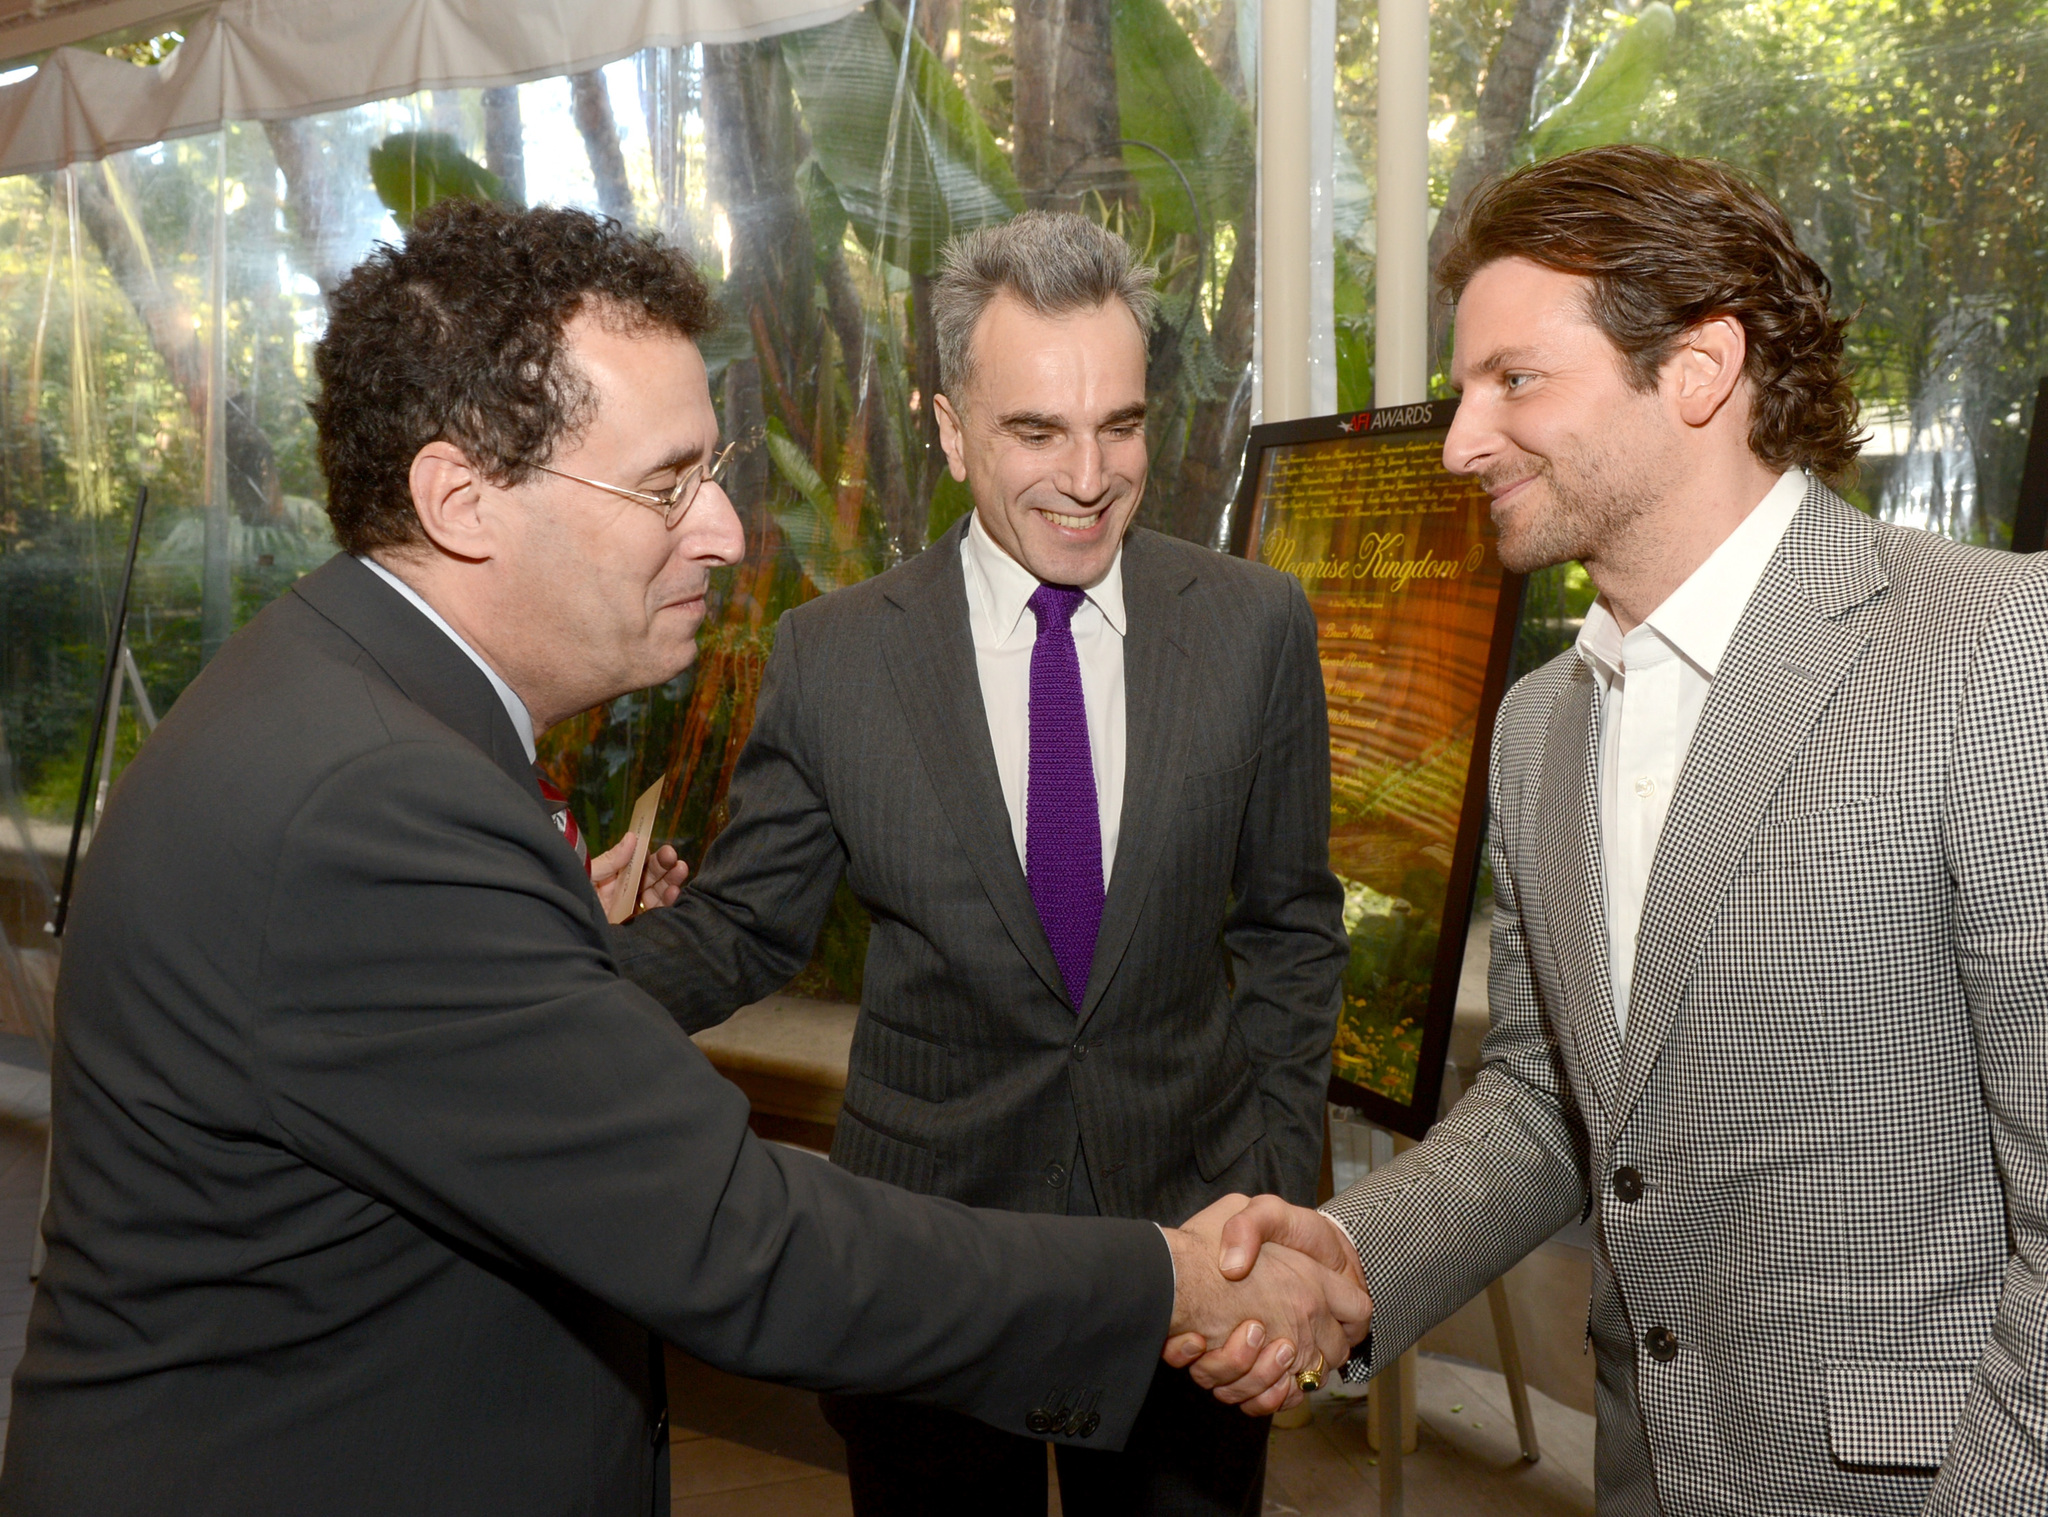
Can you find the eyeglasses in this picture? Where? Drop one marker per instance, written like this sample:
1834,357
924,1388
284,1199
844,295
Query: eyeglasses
674,502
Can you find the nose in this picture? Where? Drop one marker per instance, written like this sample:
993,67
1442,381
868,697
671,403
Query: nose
713,526
1469,441
1085,473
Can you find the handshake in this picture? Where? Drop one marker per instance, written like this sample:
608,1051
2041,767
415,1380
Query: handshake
1268,1300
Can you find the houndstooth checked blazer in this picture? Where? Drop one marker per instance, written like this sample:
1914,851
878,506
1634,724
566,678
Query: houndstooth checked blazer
1821,1283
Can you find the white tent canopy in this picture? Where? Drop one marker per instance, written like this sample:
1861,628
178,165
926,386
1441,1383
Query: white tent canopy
269,59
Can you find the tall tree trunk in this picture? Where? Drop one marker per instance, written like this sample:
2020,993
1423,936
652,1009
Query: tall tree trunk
1064,108
905,507
1191,503
251,467
1498,124
505,142
751,137
591,104
313,200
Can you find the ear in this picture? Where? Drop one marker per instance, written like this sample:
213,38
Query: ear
1708,368
952,435
447,498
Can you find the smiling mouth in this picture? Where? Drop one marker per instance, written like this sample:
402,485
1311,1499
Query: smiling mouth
1071,523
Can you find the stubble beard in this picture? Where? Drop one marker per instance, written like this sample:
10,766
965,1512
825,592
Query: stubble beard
1592,502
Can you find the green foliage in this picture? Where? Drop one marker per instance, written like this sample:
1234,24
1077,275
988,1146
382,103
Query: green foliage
911,172
833,550
1168,97
1351,310
1906,144
951,500
413,170
1603,107
145,51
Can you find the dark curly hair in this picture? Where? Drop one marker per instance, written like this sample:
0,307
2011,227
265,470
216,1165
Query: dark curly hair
1666,244
456,336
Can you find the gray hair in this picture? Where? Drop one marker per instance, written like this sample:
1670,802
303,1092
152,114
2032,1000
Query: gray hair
1053,261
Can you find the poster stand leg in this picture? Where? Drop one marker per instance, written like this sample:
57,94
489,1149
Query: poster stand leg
1511,1369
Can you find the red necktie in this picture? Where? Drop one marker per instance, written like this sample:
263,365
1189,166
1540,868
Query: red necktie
565,819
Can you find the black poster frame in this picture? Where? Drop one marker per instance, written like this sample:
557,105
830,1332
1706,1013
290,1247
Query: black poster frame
1414,1119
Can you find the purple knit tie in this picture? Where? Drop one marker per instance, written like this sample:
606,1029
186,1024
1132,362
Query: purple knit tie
1062,830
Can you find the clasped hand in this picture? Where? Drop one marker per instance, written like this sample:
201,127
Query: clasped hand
1261,1289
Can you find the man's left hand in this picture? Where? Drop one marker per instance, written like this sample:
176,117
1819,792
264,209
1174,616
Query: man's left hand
661,882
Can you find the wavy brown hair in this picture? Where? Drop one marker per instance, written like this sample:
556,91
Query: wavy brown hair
456,336
1666,243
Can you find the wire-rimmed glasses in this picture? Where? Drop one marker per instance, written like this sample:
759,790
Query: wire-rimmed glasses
674,502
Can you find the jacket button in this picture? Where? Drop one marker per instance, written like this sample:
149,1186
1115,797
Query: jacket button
1039,1422
1055,1174
1080,1050
1662,1344
1088,1424
1628,1183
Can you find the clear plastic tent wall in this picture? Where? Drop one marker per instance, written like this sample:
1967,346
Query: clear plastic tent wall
159,307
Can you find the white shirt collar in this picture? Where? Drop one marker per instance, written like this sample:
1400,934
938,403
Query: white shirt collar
1698,619
1006,586
515,708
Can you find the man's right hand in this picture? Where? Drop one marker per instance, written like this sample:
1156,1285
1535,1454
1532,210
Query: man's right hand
1286,1303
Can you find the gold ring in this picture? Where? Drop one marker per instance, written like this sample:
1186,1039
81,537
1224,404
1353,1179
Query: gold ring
1311,1379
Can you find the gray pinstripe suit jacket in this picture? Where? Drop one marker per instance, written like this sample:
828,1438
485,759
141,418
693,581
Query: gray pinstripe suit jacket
1835,1080
1200,1056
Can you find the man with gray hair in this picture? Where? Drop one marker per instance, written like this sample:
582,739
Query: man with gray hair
1079,776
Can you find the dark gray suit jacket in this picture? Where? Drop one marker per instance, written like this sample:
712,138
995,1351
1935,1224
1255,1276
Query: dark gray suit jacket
1201,1053
371,1173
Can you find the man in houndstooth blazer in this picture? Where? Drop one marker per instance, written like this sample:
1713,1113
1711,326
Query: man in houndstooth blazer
1809,1113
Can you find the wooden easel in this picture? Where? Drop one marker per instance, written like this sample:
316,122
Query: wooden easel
1390,1398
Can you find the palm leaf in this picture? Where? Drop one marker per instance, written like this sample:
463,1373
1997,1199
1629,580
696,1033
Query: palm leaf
911,170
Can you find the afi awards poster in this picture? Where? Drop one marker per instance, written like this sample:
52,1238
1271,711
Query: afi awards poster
1415,618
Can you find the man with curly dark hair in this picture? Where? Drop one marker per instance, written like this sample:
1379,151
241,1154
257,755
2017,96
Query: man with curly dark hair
375,1185
1770,859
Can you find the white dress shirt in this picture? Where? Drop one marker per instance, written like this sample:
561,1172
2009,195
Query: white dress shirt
514,706
1654,683
999,591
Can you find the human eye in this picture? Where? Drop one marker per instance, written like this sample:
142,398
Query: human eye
1515,379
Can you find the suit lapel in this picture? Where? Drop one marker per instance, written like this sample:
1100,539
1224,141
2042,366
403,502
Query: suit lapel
930,651
420,659
1789,655
1158,719
1571,879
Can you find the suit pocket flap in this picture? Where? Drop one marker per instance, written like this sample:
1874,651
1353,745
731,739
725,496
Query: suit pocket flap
1216,786
1894,1416
863,1145
1866,825
1228,1128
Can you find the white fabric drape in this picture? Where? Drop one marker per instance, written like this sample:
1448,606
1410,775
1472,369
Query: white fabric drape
269,59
